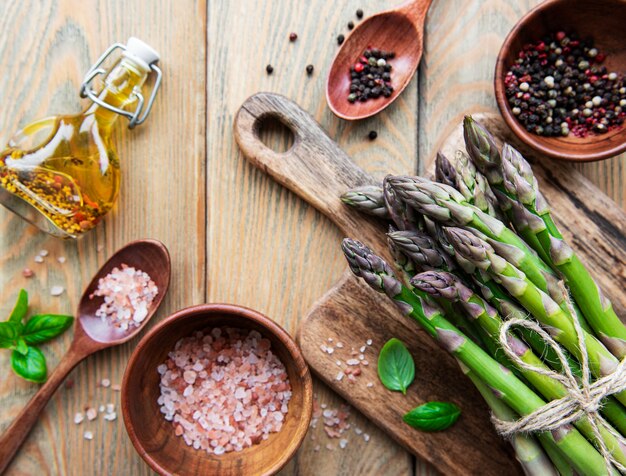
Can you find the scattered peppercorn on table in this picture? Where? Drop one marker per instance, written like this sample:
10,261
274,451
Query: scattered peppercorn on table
233,233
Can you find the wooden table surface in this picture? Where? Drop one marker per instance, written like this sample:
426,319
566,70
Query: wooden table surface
233,234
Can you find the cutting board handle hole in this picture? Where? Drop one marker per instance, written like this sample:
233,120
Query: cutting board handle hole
274,133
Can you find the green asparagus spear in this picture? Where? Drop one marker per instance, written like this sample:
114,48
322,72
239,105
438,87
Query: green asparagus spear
469,181
537,302
445,172
408,267
447,206
367,199
421,249
532,218
531,456
378,275
482,148
445,285
424,251
404,218
516,188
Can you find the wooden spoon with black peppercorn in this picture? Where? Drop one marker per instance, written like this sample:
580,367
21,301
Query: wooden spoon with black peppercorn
400,31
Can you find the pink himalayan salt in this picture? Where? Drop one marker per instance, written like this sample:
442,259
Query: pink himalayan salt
335,420
127,293
224,390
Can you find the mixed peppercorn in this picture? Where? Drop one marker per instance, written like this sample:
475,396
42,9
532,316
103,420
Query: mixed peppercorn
371,76
558,86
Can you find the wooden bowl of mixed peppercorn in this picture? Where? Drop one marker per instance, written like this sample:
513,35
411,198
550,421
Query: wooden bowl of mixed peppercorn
559,79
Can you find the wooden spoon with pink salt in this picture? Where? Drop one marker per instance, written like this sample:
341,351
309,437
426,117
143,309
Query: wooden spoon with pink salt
100,325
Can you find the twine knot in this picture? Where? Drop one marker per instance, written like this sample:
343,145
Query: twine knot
583,399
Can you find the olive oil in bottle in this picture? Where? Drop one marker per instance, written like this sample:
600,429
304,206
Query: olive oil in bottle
62,173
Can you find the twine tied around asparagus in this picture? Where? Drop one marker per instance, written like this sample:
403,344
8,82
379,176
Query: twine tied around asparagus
584,398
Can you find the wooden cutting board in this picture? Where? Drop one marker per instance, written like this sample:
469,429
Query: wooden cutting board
317,170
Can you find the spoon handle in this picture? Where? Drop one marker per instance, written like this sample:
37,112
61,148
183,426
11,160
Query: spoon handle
17,432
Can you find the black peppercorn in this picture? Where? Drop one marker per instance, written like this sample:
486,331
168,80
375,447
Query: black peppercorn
309,69
269,68
350,25
359,13
371,74
372,135
293,37
558,86
340,39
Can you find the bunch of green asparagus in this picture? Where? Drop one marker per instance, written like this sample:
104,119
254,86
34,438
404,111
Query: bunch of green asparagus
478,247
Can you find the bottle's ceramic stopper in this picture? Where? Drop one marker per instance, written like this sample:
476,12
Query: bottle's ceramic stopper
141,52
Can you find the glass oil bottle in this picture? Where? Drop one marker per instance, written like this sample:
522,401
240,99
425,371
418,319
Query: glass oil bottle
62,173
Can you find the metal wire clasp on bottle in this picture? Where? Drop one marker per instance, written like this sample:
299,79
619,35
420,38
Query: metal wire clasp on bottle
136,117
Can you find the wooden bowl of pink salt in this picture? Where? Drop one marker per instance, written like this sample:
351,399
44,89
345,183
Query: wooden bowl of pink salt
217,389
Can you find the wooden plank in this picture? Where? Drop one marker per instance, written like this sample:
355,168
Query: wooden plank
45,49
463,39
266,248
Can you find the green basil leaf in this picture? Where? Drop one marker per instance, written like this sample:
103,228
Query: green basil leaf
21,346
396,368
43,327
21,306
433,416
9,332
31,366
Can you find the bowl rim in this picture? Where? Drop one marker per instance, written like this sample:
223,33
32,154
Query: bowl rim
272,327
507,114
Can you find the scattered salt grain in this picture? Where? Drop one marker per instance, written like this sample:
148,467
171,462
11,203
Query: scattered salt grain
91,414
330,339
343,443
358,431
369,342
369,385
316,448
329,447
352,362
362,349
116,387
61,259
340,376
88,435
338,363
43,253
110,408
105,382
78,418
27,273
110,416
38,259
56,290
365,363
366,437
224,390
127,293
101,409
340,345
361,357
